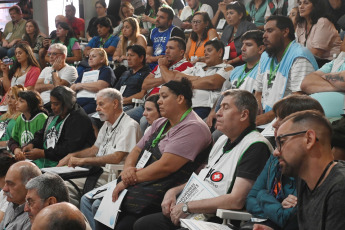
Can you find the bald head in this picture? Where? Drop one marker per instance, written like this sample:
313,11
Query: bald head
60,216
60,18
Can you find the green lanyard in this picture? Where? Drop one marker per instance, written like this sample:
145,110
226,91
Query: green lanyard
193,12
272,75
241,80
102,43
159,136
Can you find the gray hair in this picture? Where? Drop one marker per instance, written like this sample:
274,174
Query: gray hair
112,94
59,46
244,100
65,95
27,171
48,185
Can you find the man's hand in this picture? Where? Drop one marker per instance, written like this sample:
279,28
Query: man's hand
76,87
177,214
186,25
5,44
129,176
289,202
163,61
28,147
149,59
210,118
64,161
34,154
18,154
168,202
118,189
75,161
58,64
336,79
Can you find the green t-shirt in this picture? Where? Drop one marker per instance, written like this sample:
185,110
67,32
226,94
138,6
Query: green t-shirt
6,127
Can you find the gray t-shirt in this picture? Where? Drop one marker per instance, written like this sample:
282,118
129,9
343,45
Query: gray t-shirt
323,208
15,218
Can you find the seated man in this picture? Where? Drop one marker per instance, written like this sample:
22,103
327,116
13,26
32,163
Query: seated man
17,177
189,10
304,151
160,35
58,74
68,129
282,66
14,31
207,78
77,24
330,78
61,216
43,191
273,196
117,137
130,82
174,55
234,162
175,146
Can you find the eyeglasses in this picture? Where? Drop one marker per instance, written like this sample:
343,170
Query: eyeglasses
197,22
53,54
30,203
280,143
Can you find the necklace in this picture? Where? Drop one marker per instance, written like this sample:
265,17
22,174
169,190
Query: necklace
23,71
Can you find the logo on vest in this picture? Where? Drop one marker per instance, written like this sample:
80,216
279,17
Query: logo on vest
26,137
217,176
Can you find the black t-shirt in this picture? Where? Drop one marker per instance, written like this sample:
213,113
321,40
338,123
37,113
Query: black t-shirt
177,4
323,208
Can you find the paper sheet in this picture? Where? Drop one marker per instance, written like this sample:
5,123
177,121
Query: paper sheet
108,210
64,169
202,225
99,195
269,130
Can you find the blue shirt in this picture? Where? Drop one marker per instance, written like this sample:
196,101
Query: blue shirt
96,42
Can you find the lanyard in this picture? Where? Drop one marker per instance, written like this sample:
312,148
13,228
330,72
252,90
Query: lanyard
160,136
322,175
197,46
272,75
111,132
241,80
193,12
102,43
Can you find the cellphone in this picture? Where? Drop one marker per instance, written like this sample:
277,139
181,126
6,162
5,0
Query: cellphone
7,61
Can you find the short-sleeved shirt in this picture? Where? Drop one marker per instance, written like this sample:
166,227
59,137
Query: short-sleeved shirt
323,208
186,139
158,39
67,73
122,136
97,42
17,30
78,25
187,12
337,65
206,98
323,35
3,201
21,222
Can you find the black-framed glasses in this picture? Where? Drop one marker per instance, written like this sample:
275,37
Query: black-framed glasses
279,142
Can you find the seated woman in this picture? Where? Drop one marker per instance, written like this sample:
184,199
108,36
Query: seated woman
173,156
104,40
98,77
65,35
148,19
220,13
316,32
130,36
257,10
8,119
101,10
31,120
202,32
67,130
34,37
126,11
151,110
25,70
238,24
6,160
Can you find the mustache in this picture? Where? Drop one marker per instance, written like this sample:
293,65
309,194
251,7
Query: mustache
8,194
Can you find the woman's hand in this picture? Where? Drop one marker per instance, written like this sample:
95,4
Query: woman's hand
4,68
145,18
118,189
18,154
289,202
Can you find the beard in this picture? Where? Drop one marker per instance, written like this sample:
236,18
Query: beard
275,49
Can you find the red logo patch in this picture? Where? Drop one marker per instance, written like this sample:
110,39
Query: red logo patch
217,176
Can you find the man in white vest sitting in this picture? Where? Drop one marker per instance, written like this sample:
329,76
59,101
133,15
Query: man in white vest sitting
234,163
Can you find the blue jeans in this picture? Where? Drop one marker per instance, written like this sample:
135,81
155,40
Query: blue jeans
6,52
136,113
89,208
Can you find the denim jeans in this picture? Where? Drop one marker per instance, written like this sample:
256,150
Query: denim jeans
89,208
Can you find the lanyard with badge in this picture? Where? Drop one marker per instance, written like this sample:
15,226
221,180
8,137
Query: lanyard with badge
241,80
104,147
146,155
52,137
102,43
273,72
193,12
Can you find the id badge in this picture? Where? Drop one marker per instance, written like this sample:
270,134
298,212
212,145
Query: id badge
122,89
2,131
143,160
51,142
193,58
9,35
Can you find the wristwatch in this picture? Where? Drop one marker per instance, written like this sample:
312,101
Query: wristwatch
185,208
54,71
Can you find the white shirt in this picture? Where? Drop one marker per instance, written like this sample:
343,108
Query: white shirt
187,11
67,73
122,136
3,202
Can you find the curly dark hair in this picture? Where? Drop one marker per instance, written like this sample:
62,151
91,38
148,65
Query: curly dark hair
70,33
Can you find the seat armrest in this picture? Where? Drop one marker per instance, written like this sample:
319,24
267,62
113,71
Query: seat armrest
233,215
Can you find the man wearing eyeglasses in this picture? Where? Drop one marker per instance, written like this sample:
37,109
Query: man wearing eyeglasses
304,151
189,10
59,73
16,178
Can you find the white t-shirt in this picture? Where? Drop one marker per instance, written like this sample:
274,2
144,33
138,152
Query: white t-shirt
67,73
187,11
206,98
122,136
3,202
